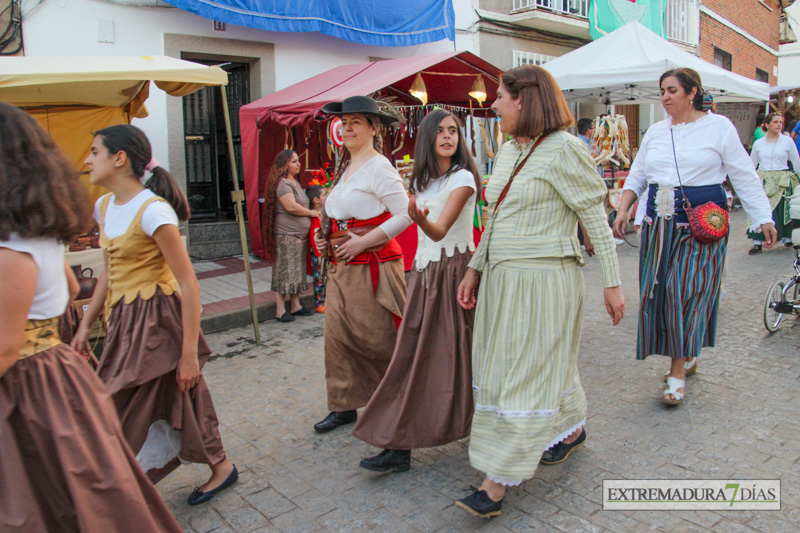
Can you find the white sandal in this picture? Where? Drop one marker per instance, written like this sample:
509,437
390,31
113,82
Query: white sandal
673,384
691,369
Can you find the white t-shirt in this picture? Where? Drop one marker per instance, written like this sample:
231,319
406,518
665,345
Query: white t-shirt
460,234
773,156
52,292
461,178
119,217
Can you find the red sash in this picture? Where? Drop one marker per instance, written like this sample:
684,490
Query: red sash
389,252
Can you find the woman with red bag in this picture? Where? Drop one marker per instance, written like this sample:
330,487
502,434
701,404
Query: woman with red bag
688,155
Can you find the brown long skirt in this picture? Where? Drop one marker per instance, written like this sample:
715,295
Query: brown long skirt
64,462
425,399
360,330
143,346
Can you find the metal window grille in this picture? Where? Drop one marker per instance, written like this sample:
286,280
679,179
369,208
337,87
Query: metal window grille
530,58
578,8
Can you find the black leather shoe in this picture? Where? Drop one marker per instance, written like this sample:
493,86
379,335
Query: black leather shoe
480,504
560,452
397,460
756,249
197,497
334,420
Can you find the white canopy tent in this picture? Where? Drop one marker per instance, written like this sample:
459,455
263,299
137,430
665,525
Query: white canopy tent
624,66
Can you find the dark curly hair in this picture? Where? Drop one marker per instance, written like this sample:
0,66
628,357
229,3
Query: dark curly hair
134,142
40,193
279,170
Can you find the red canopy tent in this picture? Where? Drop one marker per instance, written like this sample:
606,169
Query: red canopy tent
291,117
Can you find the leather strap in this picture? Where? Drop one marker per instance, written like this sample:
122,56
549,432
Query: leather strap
516,171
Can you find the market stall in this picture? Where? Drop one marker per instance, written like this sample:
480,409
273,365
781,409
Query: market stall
293,118
624,67
74,96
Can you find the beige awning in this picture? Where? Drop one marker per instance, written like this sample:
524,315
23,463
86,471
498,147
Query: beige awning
98,81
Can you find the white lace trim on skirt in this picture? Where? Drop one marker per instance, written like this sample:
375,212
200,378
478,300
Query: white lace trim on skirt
506,482
512,413
566,434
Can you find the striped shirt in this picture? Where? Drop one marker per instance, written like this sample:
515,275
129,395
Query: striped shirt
539,216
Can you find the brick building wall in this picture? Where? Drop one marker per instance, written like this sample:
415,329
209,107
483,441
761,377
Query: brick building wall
754,18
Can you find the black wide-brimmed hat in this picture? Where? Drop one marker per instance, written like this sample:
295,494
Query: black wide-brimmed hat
358,104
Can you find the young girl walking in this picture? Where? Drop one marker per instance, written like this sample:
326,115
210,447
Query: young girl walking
64,462
154,349
425,398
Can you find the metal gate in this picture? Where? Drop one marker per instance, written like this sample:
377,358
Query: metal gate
209,180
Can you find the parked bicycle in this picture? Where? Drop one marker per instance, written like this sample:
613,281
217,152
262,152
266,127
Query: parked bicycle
782,298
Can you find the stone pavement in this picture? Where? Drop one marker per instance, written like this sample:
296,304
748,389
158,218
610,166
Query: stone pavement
224,297
739,420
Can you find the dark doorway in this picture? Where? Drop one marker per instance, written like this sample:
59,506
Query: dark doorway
209,180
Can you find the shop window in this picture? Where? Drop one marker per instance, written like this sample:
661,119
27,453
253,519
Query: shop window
762,76
722,59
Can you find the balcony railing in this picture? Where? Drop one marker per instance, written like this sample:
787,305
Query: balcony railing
682,21
578,8
530,58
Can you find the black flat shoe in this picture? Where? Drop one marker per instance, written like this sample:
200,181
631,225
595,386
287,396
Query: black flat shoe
197,497
560,452
480,504
756,249
285,317
303,312
334,420
397,460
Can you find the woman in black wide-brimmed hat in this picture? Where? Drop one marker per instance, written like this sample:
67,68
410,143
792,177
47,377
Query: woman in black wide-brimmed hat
367,208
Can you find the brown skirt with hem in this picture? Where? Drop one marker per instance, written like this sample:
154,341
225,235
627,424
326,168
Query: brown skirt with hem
360,330
64,462
425,398
143,346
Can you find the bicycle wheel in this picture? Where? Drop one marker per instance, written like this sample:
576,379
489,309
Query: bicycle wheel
772,318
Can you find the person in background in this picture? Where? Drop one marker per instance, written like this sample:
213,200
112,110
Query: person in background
690,153
316,198
585,133
64,462
286,223
425,398
795,133
761,128
154,350
367,207
777,162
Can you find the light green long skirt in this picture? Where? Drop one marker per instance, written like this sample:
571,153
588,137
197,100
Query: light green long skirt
528,395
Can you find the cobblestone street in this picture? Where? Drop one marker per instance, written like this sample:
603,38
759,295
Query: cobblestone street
737,421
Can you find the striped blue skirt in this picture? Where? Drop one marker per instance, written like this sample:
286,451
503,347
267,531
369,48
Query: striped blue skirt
679,288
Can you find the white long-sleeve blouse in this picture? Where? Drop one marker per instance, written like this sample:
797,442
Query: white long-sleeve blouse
707,150
774,155
372,190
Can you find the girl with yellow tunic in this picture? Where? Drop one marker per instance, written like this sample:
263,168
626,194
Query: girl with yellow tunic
154,349
529,403
64,462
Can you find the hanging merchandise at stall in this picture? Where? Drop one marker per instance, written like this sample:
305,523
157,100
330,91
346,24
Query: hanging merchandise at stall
459,82
610,141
